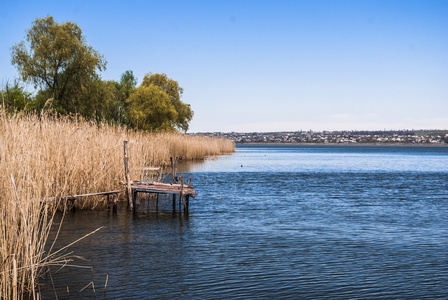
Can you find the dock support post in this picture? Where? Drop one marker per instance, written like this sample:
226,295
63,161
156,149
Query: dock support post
127,176
114,206
112,203
187,200
187,197
174,175
135,199
108,202
174,168
181,194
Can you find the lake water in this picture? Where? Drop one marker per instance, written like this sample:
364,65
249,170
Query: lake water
302,222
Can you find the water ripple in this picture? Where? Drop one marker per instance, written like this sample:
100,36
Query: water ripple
370,234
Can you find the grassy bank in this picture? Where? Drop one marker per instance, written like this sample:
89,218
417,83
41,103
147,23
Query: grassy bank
42,157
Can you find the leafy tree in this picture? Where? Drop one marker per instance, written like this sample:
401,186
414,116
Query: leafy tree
150,108
95,100
14,97
58,59
122,90
43,99
117,109
174,91
127,83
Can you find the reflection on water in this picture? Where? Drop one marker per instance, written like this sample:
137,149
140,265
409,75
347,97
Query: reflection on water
277,222
130,249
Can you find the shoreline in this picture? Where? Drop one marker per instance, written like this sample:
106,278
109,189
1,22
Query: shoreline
348,144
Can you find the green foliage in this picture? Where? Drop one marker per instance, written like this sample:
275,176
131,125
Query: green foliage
43,100
127,83
150,109
118,114
174,91
95,100
57,59
14,97
122,90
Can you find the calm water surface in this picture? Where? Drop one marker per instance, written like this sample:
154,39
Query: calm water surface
302,222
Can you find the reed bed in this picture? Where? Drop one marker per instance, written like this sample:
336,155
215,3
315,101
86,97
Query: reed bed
43,157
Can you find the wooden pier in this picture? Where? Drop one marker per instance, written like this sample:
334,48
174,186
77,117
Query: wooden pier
184,192
178,189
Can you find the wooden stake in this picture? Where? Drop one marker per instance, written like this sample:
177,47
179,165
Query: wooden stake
187,197
135,199
174,169
114,207
181,194
127,175
173,174
187,200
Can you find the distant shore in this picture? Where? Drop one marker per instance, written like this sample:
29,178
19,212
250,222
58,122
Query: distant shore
403,137
349,144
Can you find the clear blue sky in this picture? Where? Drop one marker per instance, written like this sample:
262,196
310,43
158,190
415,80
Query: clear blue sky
270,65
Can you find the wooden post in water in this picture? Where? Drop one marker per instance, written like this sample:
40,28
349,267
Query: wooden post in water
127,175
112,203
175,169
114,207
187,197
187,201
174,175
135,199
181,194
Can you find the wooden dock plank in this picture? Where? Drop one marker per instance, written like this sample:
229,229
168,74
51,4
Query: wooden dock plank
82,195
162,188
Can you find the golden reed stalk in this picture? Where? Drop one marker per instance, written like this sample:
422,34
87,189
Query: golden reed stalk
42,157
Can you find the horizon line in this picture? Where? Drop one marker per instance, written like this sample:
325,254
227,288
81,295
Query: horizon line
311,131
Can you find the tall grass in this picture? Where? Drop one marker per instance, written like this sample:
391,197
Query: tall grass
43,157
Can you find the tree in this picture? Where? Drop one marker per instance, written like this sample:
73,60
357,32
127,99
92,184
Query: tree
150,108
122,90
58,60
174,91
127,83
14,97
95,101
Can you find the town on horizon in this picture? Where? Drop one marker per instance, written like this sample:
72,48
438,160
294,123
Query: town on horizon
429,137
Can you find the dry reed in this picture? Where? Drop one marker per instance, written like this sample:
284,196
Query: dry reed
43,157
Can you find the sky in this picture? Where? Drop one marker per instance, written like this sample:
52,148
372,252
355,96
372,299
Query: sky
254,66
